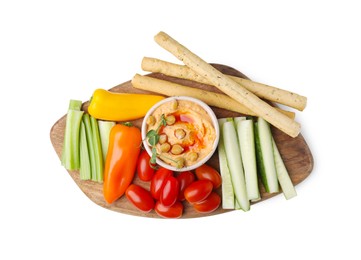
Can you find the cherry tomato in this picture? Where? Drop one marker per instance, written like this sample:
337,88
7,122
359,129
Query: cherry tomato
198,191
210,204
156,185
140,197
175,211
184,179
144,169
206,172
169,192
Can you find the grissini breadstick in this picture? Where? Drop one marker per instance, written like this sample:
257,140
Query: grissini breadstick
211,98
229,86
270,93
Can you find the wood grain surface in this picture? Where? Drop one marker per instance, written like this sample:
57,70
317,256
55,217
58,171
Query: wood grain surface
295,153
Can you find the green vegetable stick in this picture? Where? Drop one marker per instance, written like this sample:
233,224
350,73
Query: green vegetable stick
70,158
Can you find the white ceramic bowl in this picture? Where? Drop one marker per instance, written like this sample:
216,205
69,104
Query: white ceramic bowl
215,125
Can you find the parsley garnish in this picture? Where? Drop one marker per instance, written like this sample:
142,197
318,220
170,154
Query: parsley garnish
153,139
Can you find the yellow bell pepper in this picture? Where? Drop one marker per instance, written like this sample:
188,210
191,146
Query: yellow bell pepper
111,106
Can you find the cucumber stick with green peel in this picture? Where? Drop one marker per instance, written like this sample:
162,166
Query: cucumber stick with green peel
282,174
238,119
246,151
227,186
234,160
245,131
265,157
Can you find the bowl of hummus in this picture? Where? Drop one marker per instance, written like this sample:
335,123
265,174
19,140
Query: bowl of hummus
180,133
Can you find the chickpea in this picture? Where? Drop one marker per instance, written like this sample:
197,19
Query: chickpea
151,120
177,149
165,147
162,138
192,156
170,120
179,133
174,105
180,163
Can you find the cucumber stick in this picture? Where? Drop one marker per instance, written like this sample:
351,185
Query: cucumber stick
282,174
234,160
248,152
265,157
238,119
227,187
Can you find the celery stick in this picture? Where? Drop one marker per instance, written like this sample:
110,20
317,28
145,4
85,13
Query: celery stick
104,131
70,153
228,198
99,165
89,137
246,142
257,199
282,174
75,105
234,160
236,204
85,165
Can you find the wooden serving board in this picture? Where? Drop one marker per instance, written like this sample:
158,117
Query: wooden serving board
295,153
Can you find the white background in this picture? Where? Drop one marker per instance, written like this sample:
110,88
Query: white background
53,51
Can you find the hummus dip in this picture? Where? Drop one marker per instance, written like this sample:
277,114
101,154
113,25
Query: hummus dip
187,134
